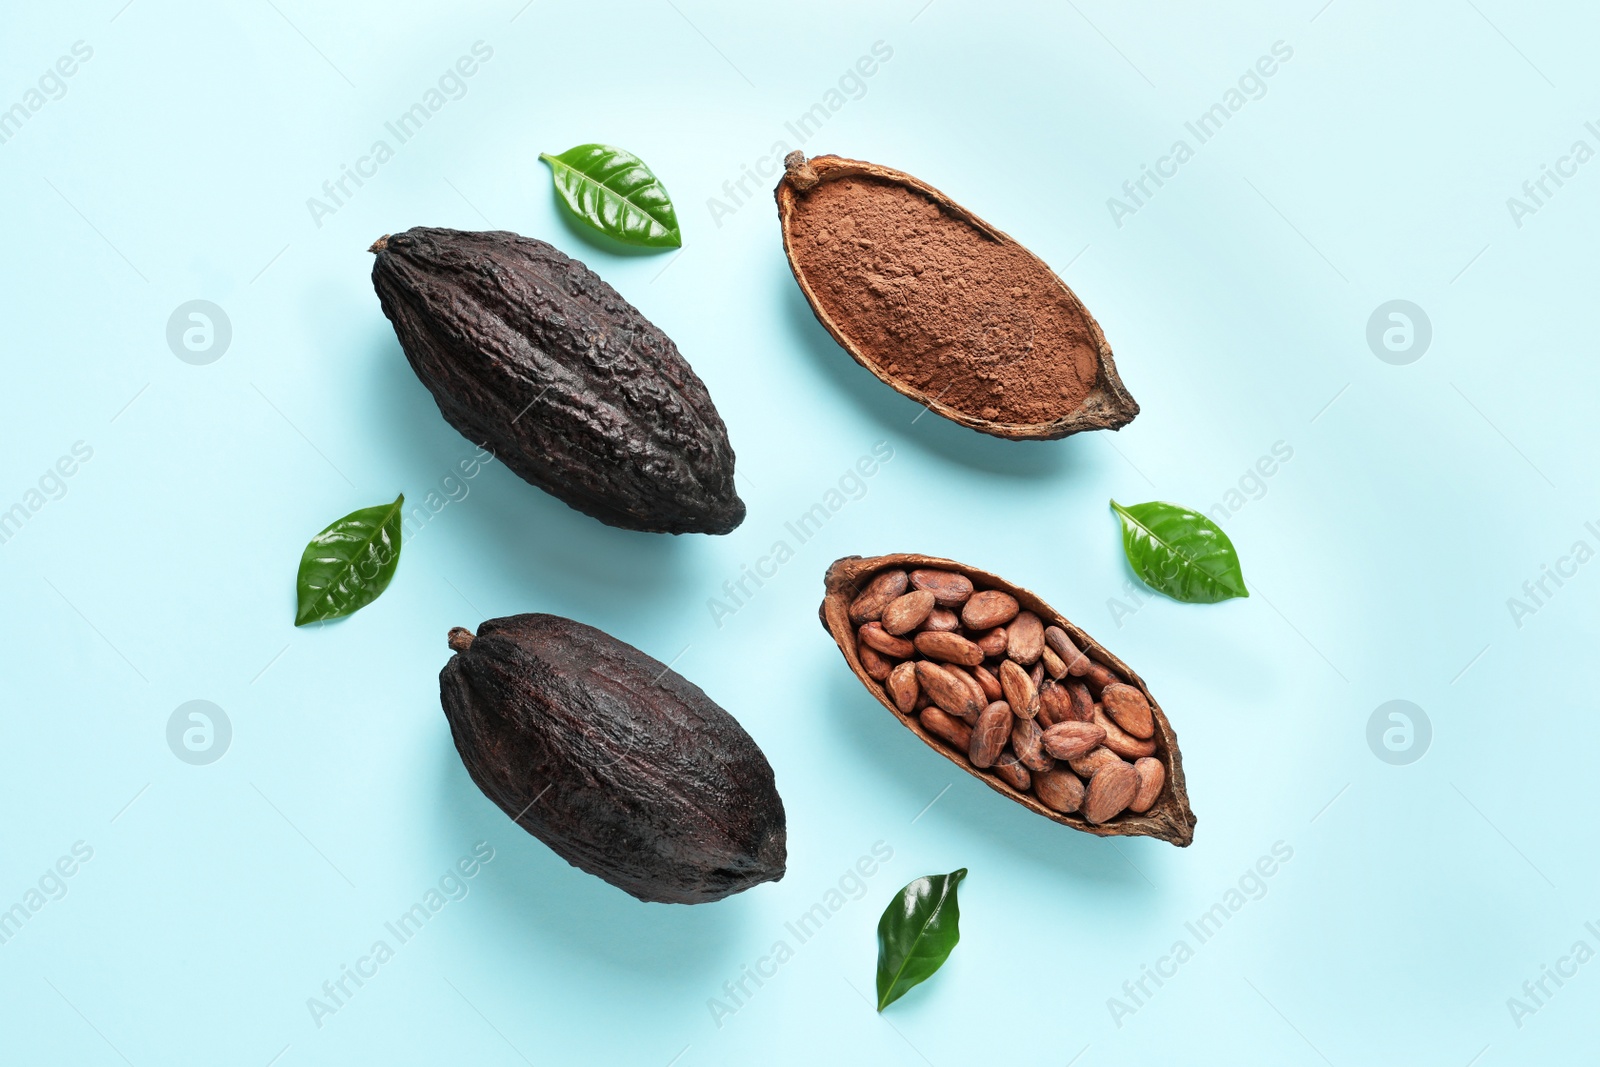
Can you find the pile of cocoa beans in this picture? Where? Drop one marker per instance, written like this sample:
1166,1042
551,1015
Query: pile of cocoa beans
1013,696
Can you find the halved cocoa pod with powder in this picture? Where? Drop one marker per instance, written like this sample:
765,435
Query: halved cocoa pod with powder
1090,749
943,307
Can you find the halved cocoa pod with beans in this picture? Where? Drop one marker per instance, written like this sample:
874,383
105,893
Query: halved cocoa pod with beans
942,307
1090,716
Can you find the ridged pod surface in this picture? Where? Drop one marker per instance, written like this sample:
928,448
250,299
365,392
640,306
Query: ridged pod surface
529,352
618,763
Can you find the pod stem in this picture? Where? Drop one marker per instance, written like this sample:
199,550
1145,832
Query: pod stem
379,245
799,173
460,638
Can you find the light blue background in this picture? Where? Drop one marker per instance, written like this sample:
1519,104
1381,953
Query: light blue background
1419,498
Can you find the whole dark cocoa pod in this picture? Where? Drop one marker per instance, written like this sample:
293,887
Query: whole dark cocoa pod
528,352
622,766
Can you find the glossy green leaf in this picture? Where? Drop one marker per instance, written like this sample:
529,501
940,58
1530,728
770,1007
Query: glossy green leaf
916,934
1180,552
614,192
348,565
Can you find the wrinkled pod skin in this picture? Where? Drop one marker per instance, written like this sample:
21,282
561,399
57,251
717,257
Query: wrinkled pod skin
531,354
622,766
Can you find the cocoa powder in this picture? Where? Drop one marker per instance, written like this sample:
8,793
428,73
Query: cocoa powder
942,305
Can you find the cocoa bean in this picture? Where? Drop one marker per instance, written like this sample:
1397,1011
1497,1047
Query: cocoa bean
949,588
1097,678
1096,761
883,588
993,642
965,678
1059,789
988,682
1070,740
988,609
1082,702
948,690
1025,638
1011,771
874,663
990,735
948,728
1052,664
903,688
1110,792
1025,742
1129,708
906,612
873,634
1119,740
948,648
1152,776
1019,690
1054,704
1061,725
1066,650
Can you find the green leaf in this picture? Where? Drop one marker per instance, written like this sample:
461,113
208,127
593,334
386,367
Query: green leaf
1180,552
614,192
917,932
348,565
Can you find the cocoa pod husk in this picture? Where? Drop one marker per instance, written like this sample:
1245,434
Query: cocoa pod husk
804,194
1170,818
529,353
622,766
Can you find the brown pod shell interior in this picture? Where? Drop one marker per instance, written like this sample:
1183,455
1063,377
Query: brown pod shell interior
1107,405
1170,818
